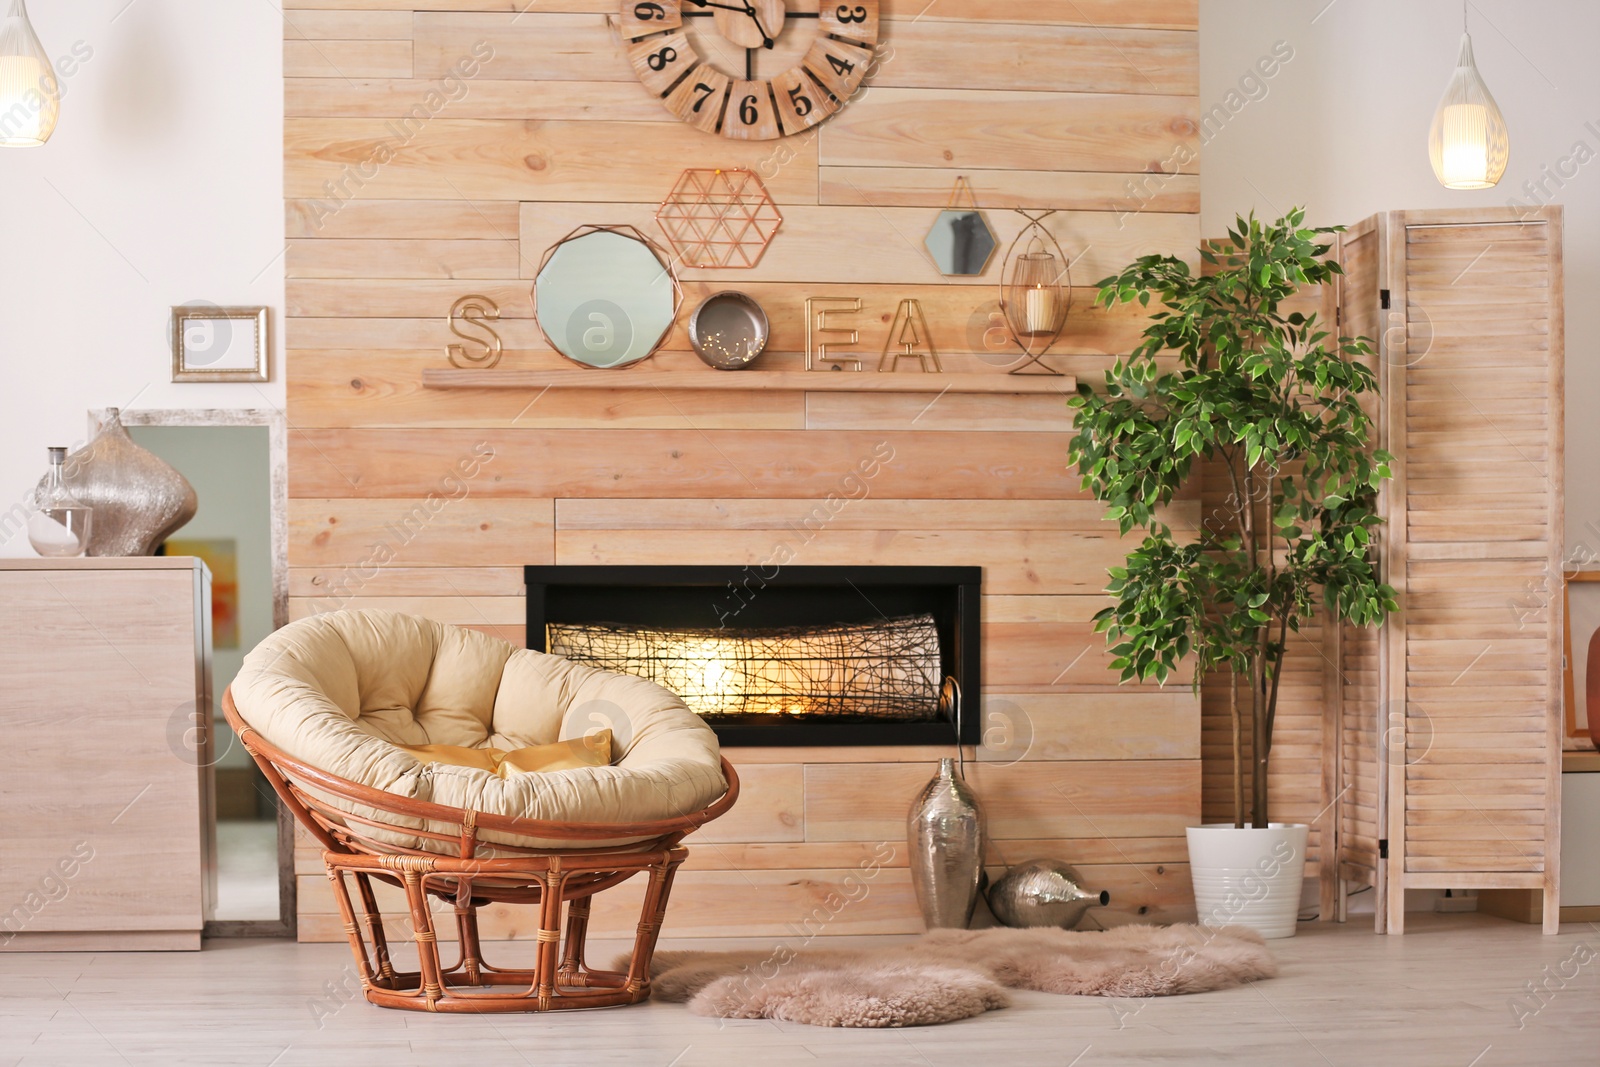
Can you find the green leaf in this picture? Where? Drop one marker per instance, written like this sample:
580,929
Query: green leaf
1223,378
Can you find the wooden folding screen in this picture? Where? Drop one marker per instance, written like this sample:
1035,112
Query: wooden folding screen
1449,717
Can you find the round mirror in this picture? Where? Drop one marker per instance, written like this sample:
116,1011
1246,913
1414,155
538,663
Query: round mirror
961,242
605,297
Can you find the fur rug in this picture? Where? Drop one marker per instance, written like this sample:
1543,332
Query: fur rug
955,974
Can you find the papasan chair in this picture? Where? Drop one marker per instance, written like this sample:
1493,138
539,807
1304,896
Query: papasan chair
456,766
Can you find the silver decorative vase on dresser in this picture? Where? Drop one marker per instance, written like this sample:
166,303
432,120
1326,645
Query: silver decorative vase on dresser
138,498
945,831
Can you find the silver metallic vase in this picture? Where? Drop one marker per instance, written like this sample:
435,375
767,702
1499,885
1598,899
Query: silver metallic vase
1043,893
137,497
945,831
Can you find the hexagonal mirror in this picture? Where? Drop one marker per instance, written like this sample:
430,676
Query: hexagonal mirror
604,297
961,242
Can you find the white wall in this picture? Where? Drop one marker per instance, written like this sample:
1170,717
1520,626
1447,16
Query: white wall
162,185
1342,127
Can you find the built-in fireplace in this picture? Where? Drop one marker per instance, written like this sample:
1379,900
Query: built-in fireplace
800,656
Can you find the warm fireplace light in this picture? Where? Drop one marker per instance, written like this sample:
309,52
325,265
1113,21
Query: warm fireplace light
886,670
703,672
712,676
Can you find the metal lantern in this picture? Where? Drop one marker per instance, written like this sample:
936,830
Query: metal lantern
1468,143
1035,292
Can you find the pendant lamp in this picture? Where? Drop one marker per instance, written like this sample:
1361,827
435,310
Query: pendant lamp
30,95
1468,144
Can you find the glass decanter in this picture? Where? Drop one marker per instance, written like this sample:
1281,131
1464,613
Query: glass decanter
59,525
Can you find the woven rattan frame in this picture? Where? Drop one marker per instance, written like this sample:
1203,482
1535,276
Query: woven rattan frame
551,879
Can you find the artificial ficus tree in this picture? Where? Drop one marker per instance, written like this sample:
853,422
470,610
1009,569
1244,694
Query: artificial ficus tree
1222,377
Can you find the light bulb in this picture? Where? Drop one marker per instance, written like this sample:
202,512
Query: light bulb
30,94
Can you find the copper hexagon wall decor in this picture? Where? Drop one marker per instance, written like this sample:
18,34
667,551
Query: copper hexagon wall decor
718,218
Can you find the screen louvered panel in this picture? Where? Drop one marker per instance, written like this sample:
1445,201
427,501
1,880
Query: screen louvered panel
1480,523
1359,736
1449,716
1357,652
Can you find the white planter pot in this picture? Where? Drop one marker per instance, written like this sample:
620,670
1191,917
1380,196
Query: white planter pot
1248,877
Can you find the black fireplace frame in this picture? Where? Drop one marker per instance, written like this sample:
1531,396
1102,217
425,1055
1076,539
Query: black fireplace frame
749,596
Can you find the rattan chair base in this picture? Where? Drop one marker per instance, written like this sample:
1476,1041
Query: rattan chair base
560,883
560,979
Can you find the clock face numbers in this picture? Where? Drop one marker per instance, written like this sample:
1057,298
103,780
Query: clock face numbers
837,67
853,22
640,19
701,99
739,104
750,114
802,104
659,62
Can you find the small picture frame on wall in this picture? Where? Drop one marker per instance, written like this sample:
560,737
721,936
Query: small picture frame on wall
1582,647
219,344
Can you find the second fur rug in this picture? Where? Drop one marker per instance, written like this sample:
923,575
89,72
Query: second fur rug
954,974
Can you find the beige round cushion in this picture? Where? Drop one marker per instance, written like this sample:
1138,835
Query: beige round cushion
340,690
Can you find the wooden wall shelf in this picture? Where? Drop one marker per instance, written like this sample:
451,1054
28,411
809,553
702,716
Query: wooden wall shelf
751,380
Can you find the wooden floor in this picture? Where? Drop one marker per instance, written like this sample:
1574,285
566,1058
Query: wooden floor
1441,995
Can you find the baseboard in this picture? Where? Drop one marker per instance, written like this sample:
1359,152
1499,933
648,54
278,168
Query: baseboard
103,941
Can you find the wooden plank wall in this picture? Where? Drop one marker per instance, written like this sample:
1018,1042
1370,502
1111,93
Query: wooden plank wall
431,501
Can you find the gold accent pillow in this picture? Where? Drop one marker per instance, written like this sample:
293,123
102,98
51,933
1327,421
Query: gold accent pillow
592,750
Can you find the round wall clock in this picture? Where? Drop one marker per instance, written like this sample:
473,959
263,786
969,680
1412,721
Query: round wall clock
750,69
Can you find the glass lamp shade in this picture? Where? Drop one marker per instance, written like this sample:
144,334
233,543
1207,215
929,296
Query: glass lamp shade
30,95
1468,144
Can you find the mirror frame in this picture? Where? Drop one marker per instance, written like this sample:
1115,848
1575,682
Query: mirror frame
631,233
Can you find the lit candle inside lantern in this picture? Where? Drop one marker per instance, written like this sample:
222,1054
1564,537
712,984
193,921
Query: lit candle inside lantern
1041,310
